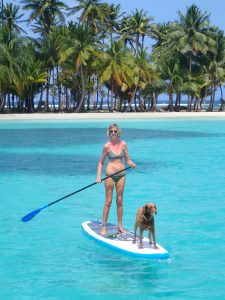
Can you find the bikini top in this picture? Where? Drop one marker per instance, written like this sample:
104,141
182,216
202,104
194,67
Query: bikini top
112,155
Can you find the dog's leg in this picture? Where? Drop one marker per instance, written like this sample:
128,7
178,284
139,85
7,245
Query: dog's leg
150,236
153,235
135,233
141,239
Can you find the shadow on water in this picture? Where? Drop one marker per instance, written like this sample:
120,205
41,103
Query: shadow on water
65,137
38,162
48,164
57,165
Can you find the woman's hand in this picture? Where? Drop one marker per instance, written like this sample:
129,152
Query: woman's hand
132,165
98,179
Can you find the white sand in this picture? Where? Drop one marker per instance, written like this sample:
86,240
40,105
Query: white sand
106,116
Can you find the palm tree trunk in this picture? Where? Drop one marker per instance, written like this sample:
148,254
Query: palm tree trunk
13,102
135,103
137,44
58,88
111,97
81,104
8,100
189,107
47,92
19,104
67,98
154,102
170,106
214,96
3,102
97,94
197,104
141,104
1,99
40,99
177,103
222,102
89,102
221,91
211,99
101,102
108,100
111,101
131,100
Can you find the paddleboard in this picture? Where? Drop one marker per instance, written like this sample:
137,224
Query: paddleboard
122,242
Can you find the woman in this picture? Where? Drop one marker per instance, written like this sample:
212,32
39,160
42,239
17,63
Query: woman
115,149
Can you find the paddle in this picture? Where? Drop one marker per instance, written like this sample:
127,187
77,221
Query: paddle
32,214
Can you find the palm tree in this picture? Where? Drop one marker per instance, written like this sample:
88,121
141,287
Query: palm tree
92,11
27,83
9,51
216,75
215,65
112,20
135,28
4,84
172,76
190,36
27,74
77,49
47,12
53,45
153,89
115,69
143,73
193,35
11,17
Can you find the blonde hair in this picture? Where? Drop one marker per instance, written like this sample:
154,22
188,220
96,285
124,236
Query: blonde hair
117,128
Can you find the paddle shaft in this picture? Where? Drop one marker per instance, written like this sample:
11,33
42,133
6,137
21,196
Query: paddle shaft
86,187
32,214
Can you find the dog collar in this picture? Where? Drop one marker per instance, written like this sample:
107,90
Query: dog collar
147,220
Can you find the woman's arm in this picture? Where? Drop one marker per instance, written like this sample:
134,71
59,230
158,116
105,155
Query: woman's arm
101,163
126,156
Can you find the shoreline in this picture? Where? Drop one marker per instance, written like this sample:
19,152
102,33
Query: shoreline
107,115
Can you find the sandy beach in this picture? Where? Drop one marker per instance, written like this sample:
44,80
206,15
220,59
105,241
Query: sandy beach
106,116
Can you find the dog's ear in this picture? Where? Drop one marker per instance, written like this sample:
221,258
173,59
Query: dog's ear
155,209
146,207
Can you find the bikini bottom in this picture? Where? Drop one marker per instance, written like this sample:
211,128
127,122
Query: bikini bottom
116,177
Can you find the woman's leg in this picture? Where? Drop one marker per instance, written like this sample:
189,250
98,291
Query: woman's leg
119,201
109,185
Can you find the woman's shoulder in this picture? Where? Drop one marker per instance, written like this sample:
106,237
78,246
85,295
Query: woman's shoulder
106,146
123,143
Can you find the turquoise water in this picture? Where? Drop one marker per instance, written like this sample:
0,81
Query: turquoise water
180,167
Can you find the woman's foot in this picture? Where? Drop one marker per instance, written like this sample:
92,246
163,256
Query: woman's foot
103,231
121,230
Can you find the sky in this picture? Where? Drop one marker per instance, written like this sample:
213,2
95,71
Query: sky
163,10
166,10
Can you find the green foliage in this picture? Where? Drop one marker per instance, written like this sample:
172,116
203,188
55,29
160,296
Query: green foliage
103,49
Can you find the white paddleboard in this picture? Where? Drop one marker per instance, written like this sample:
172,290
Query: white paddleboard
122,242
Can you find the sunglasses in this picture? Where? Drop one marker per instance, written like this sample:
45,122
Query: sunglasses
111,131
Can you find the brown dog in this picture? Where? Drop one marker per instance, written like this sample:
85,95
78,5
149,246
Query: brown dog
145,221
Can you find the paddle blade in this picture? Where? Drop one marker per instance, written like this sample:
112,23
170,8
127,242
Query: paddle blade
31,215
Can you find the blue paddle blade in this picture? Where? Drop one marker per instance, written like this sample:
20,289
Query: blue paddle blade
31,215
